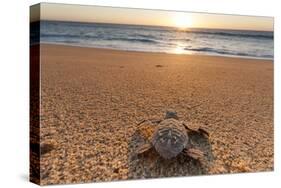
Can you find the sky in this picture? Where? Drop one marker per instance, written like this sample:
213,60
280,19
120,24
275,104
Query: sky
182,20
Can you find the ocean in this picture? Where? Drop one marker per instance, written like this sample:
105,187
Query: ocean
240,43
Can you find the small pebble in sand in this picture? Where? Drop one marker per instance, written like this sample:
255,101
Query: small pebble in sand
159,66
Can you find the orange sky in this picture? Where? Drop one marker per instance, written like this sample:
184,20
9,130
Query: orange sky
82,13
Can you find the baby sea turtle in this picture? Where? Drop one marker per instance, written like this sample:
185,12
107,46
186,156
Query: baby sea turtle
170,137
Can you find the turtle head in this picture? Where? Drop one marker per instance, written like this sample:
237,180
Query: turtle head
171,114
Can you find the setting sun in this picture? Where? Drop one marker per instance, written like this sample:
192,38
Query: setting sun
183,21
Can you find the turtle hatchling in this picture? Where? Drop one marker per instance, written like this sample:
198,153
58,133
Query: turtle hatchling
169,137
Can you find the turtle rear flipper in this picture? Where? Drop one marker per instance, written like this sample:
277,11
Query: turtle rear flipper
194,153
199,139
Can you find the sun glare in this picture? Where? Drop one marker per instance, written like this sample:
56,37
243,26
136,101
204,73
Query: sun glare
183,21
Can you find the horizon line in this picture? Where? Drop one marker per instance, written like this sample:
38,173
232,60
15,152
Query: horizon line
147,25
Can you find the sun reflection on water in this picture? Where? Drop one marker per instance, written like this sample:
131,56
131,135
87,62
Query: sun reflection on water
180,49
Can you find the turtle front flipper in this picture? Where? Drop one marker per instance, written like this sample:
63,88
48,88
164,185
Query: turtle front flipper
196,130
204,132
146,130
143,148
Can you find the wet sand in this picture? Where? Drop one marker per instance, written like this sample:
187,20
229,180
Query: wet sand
92,100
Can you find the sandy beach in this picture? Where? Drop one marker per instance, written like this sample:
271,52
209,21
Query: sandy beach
92,100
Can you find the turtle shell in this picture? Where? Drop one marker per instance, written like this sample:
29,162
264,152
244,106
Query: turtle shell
170,138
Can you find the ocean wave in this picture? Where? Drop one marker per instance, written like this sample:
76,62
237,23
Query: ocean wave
133,40
143,36
143,40
47,35
224,52
233,34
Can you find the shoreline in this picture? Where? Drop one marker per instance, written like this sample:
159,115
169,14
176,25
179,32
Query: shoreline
138,51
